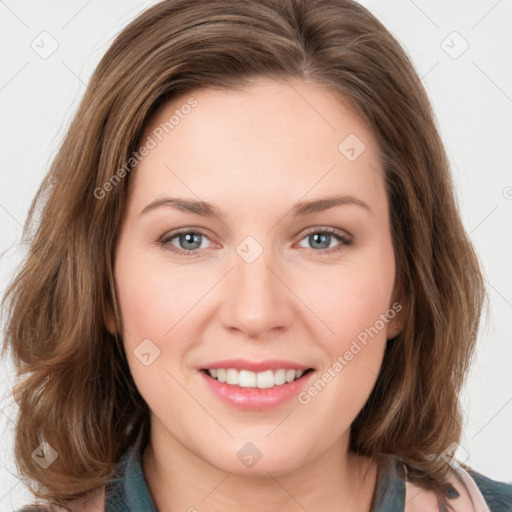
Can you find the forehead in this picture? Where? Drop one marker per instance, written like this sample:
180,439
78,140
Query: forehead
267,139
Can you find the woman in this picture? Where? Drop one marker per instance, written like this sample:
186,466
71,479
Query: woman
254,363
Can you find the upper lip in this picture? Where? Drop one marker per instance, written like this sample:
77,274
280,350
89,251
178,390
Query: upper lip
256,366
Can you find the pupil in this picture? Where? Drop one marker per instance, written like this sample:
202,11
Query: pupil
189,238
323,238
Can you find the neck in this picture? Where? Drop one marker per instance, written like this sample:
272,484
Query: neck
179,480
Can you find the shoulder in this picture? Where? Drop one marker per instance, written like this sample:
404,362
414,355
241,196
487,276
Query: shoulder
498,495
470,492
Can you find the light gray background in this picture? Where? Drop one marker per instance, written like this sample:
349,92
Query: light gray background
472,97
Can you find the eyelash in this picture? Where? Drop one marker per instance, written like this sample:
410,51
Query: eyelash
345,241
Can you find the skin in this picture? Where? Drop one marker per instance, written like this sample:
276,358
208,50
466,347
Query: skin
254,154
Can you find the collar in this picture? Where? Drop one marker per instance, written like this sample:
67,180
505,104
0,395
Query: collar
128,491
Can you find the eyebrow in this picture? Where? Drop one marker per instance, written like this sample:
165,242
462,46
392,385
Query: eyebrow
205,209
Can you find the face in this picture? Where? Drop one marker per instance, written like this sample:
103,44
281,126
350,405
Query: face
265,279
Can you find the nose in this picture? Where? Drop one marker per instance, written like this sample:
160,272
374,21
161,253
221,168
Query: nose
256,300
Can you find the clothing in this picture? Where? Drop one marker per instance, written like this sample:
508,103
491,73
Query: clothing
129,491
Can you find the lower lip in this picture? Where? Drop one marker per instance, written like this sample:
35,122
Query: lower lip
256,399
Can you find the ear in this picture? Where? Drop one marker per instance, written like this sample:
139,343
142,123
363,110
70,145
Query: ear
397,312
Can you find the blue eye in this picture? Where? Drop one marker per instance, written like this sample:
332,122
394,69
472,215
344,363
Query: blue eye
190,242
324,236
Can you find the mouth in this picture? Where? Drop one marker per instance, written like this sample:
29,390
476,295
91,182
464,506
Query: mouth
258,380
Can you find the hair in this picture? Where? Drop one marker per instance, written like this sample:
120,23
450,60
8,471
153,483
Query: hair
75,389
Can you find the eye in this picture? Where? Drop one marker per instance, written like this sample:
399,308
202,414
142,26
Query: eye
321,238
189,242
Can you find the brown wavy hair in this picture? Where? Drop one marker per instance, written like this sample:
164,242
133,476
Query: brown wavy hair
75,390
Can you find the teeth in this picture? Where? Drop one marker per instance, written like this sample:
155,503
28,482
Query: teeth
247,379
232,377
265,379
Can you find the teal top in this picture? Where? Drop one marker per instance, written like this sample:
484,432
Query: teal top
128,490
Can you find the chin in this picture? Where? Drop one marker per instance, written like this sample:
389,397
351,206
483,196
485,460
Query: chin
259,457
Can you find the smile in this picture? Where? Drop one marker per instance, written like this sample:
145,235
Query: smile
249,379
259,388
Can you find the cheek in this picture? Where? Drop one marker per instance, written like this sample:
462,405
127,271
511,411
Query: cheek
354,306
159,311
152,299
351,299
354,302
